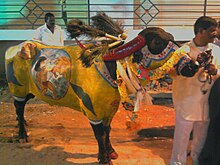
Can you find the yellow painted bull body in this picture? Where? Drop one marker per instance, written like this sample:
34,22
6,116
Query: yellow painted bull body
55,75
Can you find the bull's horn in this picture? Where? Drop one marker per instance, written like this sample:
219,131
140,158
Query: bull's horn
125,50
122,36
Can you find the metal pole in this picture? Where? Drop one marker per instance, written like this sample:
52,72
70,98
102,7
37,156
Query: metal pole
205,4
88,12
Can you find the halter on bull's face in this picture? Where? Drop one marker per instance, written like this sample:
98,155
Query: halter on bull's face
56,76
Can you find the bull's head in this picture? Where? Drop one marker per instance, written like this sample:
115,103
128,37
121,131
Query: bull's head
154,38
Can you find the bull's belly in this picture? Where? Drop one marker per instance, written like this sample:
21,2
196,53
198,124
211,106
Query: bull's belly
69,100
100,104
96,105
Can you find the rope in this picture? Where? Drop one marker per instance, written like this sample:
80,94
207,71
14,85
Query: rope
208,79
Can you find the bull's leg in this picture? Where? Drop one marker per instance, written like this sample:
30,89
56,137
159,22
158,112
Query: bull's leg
100,135
112,153
19,106
28,97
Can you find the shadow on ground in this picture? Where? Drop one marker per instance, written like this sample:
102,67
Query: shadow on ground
161,132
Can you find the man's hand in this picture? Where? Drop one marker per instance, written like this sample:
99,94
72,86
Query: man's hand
211,69
205,58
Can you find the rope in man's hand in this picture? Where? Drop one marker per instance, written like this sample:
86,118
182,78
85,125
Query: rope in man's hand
205,60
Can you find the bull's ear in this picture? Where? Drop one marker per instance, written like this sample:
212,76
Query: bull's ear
125,50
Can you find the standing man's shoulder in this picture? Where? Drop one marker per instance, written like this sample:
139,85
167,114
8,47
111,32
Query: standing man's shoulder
214,46
38,33
40,28
215,53
58,27
185,47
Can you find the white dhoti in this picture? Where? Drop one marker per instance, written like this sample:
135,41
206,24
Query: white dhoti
183,129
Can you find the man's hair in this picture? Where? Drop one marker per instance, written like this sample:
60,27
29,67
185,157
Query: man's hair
204,22
48,15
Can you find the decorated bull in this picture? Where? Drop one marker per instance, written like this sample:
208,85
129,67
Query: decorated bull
55,75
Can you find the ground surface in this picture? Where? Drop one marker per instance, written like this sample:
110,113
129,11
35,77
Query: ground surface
62,136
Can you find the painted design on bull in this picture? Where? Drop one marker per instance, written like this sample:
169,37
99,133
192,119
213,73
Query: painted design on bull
84,96
51,72
10,74
103,71
149,58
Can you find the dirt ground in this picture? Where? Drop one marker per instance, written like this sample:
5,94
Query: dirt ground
62,136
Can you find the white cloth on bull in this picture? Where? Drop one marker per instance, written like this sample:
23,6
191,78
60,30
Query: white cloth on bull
134,87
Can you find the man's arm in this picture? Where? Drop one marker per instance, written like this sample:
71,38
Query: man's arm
187,67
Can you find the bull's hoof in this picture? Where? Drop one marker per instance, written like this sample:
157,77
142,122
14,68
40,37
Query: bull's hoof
109,163
113,155
23,140
23,137
105,160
